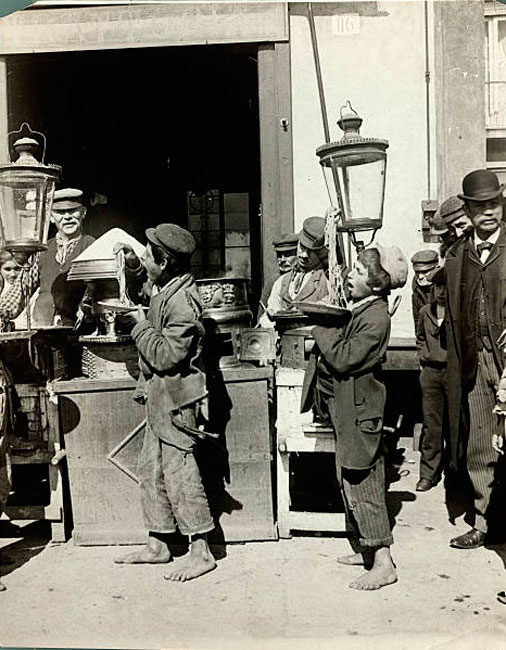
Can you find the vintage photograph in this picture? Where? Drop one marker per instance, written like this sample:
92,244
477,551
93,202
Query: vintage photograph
253,324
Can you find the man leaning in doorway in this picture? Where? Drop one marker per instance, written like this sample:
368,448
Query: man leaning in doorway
475,270
58,300
307,280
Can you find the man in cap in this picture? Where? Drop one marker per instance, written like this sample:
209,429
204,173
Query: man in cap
307,281
454,216
423,262
342,376
285,248
475,269
173,387
58,300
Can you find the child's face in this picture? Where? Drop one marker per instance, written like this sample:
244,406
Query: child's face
10,271
153,269
357,282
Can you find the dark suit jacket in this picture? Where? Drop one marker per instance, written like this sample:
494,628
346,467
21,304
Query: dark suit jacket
462,363
352,355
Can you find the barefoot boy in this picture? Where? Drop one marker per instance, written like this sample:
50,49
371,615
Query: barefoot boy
169,341
342,369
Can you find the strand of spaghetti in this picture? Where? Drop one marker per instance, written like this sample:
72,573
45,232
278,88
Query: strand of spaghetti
336,285
120,275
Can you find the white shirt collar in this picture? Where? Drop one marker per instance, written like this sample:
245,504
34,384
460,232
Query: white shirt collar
492,239
362,301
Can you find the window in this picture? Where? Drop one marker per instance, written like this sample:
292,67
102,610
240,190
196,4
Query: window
495,89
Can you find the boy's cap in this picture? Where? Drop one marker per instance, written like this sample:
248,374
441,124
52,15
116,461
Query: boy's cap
436,276
172,238
425,260
480,185
393,260
286,242
312,235
67,198
451,209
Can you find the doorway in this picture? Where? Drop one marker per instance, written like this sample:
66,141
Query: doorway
155,135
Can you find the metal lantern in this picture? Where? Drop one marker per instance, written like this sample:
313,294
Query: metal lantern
26,196
355,170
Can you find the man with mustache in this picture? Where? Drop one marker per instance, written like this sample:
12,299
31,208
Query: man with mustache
475,268
58,300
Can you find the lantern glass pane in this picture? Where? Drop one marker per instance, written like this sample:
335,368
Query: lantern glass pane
362,192
25,201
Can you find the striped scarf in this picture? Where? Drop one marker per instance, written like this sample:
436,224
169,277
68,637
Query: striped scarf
65,247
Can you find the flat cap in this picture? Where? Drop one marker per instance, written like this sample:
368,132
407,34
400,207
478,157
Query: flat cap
451,209
425,260
480,185
393,260
436,276
286,242
172,238
67,198
312,235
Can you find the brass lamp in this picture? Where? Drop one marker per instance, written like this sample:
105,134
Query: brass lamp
355,170
26,196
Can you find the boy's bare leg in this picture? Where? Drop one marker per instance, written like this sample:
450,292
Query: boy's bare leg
363,558
156,551
383,572
198,561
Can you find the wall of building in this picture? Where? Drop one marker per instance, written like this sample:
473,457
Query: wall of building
381,69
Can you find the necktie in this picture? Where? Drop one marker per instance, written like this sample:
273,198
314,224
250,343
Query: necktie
484,246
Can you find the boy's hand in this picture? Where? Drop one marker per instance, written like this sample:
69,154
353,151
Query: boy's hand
138,315
131,259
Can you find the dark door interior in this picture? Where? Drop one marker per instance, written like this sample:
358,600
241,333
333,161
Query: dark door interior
147,133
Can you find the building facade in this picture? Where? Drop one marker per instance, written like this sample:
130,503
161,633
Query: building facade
208,114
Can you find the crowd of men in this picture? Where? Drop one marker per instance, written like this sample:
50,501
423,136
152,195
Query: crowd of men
459,310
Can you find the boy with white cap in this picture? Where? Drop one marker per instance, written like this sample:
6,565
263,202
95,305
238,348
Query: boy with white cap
343,369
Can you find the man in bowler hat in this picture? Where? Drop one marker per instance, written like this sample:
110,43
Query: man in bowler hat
475,269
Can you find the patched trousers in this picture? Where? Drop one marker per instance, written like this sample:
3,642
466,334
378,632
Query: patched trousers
364,496
172,494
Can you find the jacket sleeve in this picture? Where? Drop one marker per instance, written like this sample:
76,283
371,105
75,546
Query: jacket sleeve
164,349
420,335
360,350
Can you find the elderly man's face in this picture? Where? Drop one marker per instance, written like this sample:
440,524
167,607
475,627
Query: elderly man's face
69,221
485,215
286,259
308,259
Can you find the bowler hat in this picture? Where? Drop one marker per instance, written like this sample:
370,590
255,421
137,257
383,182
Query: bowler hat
424,260
286,242
67,198
480,185
312,235
451,210
394,262
172,238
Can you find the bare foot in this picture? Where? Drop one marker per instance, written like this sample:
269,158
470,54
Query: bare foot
196,563
376,578
155,552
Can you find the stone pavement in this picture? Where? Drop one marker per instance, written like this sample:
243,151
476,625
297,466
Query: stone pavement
288,594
